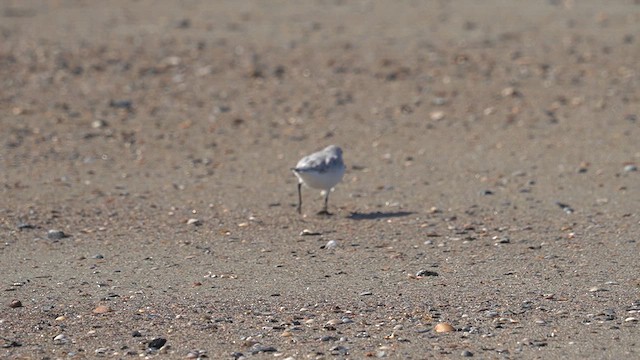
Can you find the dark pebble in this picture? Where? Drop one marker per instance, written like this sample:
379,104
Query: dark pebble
136,333
15,304
98,256
24,226
56,234
157,343
121,104
328,338
566,208
11,344
256,349
467,353
426,273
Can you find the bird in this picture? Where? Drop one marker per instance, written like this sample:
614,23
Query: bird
321,170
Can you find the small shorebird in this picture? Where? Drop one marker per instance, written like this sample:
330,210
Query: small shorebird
320,170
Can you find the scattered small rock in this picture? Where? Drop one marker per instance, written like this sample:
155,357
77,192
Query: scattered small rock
15,304
60,339
366,293
444,328
157,343
102,309
423,273
566,208
630,168
56,234
466,353
136,333
257,348
25,226
101,351
194,222
307,232
331,244
437,115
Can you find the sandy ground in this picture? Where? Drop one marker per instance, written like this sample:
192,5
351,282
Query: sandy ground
491,181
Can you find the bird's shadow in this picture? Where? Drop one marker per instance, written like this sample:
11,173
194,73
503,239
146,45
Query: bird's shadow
378,215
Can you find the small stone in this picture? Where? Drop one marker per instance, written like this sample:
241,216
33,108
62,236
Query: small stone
630,168
331,244
307,232
101,351
157,343
257,348
101,309
366,293
631,319
437,115
56,234
61,318
15,304
196,354
597,289
98,124
98,256
444,328
25,226
566,208
60,339
136,333
466,353
194,222
508,91
423,273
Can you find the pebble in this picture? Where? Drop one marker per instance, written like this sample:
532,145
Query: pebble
444,328
24,226
423,273
256,349
60,339
566,208
597,289
332,244
157,343
437,115
196,354
307,232
56,234
630,168
101,351
631,319
15,304
194,222
102,309
466,353
366,293
98,124
327,338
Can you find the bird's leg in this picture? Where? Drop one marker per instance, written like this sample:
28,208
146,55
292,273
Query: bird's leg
299,198
325,209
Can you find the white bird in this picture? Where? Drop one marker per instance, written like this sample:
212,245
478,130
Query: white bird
321,170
